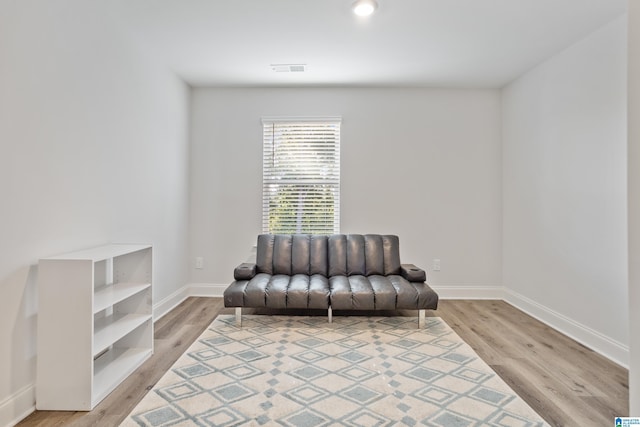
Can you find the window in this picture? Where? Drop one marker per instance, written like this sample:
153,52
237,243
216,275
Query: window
301,175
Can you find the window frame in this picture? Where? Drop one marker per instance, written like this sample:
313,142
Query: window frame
273,130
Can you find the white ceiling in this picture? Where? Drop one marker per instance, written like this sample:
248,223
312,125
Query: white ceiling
442,43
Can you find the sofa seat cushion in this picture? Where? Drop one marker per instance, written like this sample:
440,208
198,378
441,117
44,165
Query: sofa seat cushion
279,291
355,292
378,292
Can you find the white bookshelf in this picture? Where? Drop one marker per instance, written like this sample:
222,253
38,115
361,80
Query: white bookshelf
95,323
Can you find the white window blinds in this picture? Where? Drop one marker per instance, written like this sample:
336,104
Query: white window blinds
301,176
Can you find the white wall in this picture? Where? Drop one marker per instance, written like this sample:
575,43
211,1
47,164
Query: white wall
93,148
634,204
564,191
420,163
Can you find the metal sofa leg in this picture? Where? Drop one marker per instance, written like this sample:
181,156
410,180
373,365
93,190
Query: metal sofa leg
422,320
330,314
239,317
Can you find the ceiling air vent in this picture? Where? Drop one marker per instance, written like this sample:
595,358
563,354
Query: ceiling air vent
289,68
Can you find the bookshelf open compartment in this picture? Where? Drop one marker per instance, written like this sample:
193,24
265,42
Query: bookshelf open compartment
120,359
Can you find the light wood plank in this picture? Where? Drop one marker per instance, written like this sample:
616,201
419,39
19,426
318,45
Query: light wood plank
566,383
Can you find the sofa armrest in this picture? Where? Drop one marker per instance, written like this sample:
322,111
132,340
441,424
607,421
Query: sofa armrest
413,273
244,271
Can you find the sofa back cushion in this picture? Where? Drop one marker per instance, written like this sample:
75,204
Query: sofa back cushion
339,254
309,254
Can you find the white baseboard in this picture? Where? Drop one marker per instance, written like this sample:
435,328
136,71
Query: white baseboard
469,292
445,292
18,406
189,290
206,290
169,303
607,347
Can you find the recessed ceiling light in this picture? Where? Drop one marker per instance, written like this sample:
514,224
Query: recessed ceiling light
364,7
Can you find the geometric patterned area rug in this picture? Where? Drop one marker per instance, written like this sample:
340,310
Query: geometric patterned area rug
306,372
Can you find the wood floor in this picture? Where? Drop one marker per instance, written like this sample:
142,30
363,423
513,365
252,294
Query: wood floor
566,383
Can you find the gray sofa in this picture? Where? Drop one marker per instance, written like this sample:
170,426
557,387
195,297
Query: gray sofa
338,272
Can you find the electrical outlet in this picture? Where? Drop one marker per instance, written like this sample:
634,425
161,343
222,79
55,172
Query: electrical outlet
436,264
199,262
